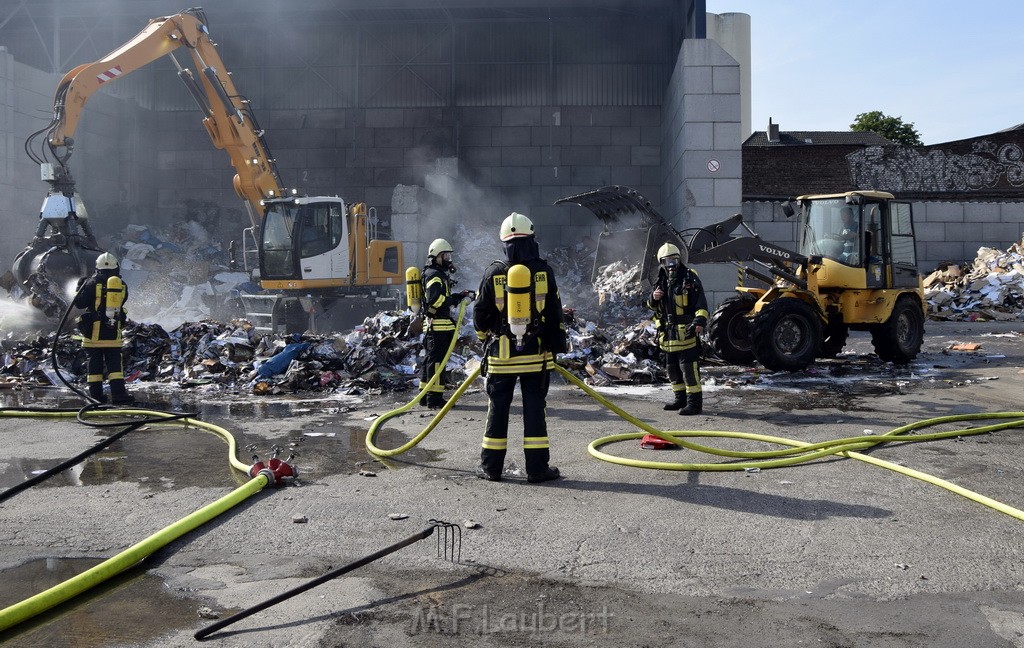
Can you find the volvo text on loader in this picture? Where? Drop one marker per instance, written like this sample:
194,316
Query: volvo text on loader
316,257
855,268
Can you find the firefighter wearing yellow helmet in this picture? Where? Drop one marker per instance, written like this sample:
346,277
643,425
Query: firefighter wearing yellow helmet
439,328
519,318
681,313
102,297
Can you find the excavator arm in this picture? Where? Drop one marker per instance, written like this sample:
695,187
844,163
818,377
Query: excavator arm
64,247
226,114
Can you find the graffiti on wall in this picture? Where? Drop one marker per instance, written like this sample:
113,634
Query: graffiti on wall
902,169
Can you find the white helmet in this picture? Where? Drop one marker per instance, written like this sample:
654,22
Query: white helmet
438,247
666,251
516,226
106,261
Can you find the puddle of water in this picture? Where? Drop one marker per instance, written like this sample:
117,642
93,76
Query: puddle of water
117,612
169,457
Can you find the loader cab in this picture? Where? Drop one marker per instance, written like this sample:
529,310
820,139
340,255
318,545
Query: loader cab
865,237
304,240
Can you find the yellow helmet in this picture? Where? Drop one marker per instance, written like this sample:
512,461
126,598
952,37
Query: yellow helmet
668,250
106,261
516,226
438,247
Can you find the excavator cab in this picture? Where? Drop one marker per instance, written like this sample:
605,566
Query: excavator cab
318,256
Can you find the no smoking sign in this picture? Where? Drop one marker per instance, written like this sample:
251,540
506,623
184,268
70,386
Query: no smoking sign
714,165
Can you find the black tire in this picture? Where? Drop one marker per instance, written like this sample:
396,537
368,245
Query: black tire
833,339
729,330
900,338
786,335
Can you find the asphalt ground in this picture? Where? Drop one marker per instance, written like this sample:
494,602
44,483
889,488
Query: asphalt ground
834,552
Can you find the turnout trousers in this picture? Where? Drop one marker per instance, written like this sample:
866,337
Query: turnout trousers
435,345
500,390
684,370
108,360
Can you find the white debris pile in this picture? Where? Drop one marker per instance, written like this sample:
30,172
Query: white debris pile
620,295
175,274
991,288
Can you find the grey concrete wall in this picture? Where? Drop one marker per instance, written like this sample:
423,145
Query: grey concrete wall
954,231
701,147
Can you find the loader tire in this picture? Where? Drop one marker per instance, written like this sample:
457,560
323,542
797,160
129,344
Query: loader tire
899,339
729,330
786,335
833,339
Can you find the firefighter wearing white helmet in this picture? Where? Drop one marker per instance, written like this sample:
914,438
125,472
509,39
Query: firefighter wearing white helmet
519,318
439,328
681,313
102,297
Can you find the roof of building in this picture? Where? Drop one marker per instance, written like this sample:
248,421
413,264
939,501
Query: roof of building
806,138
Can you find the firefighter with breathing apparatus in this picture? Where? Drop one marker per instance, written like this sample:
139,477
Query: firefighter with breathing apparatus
436,300
681,313
103,296
519,318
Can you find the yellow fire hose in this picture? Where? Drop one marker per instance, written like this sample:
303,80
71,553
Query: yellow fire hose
794,452
72,587
375,426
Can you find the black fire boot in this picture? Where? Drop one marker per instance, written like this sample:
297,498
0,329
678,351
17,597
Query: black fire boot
435,400
96,392
678,403
483,473
119,394
549,473
694,404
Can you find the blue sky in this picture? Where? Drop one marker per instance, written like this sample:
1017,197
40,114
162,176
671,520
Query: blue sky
953,69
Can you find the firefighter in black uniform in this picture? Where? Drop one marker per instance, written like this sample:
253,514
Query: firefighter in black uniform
526,357
438,301
681,312
102,296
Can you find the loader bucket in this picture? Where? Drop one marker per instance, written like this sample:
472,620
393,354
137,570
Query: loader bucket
636,246
638,233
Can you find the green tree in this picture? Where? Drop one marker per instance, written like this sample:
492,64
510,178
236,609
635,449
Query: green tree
892,128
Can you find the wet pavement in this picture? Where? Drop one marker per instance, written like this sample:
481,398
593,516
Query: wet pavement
787,543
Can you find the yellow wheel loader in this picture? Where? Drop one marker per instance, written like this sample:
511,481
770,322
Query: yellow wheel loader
855,268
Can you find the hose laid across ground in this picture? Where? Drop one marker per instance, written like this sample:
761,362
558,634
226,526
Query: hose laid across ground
70,588
794,452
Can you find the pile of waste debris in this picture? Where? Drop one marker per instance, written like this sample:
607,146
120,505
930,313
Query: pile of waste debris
382,354
990,288
177,274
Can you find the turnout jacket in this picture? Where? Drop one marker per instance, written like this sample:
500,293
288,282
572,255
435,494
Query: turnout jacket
100,293
545,334
682,305
438,299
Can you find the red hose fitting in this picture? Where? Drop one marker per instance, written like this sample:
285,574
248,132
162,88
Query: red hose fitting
256,468
281,470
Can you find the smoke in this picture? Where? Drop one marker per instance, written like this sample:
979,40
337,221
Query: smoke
469,217
18,317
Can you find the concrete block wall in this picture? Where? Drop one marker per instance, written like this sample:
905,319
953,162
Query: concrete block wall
948,231
520,158
702,166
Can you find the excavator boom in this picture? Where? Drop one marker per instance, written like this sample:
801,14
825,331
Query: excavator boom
329,250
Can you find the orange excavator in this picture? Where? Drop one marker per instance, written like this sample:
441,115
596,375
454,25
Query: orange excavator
316,258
